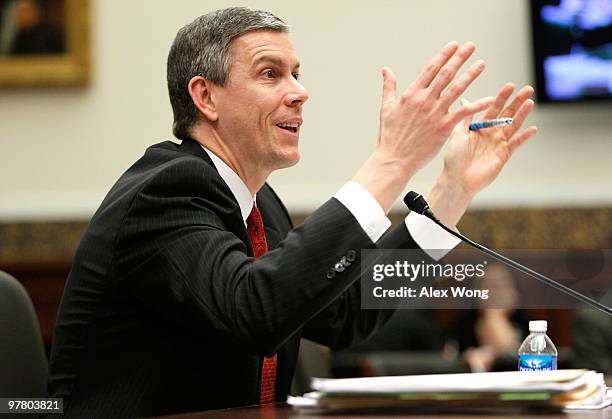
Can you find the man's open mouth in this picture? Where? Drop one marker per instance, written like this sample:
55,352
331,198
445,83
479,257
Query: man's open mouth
289,126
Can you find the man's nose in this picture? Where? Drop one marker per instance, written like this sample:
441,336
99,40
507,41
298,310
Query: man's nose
297,95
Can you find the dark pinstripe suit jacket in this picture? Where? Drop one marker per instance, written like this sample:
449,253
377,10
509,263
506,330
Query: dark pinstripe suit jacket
166,311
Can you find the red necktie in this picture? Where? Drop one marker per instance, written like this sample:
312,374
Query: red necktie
257,235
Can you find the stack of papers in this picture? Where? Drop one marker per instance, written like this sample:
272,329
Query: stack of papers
560,389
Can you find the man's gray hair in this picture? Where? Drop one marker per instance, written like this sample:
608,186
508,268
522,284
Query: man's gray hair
203,47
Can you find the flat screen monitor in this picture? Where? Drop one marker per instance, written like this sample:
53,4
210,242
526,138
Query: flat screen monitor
572,42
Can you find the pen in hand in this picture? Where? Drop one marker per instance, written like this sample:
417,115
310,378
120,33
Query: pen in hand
475,126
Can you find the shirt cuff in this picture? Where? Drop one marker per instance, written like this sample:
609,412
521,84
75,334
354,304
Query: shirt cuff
366,210
430,237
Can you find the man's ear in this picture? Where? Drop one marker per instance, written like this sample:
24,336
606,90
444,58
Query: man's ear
201,95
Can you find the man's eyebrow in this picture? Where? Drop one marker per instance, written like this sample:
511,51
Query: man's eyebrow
274,60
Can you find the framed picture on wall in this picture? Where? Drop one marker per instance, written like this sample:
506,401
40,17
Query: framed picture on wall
44,42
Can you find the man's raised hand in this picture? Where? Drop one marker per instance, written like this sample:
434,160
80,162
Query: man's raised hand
415,126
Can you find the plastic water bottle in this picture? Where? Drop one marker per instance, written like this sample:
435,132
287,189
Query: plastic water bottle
537,352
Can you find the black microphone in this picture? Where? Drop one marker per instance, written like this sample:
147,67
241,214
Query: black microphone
415,202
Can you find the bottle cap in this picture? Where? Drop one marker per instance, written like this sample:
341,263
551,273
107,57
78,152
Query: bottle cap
538,326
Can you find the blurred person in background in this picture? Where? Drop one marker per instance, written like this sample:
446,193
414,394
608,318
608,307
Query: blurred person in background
491,334
483,338
592,335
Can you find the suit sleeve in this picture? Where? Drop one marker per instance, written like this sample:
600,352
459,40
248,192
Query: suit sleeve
343,323
175,255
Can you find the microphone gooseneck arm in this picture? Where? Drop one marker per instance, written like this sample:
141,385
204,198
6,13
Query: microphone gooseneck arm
415,202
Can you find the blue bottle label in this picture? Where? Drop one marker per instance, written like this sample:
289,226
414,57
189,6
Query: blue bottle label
537,362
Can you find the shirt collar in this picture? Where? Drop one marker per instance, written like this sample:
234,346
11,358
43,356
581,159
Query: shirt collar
235,184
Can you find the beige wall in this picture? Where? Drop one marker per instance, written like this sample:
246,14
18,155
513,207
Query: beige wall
61,149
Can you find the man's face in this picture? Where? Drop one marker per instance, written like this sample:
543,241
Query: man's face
260,107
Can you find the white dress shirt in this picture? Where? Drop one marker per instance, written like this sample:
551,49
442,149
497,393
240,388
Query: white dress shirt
366,210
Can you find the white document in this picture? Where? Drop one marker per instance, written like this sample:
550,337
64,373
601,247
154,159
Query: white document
515,381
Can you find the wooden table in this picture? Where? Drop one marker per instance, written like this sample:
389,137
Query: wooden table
282,411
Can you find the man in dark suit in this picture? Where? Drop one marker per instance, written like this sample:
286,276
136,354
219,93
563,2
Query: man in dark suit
190,290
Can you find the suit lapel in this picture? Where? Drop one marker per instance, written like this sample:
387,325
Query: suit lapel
274,216
275,221
234,222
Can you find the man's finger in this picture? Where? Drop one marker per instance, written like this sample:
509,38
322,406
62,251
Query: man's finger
450,69
461,85
389,87
469,109
500,100
523,94
434,66
521,138
465,123
519,118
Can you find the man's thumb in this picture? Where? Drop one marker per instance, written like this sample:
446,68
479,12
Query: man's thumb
467,120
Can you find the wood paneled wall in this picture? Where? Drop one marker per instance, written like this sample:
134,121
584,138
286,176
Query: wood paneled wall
40,254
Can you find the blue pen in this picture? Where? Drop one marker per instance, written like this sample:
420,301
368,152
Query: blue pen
475,126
